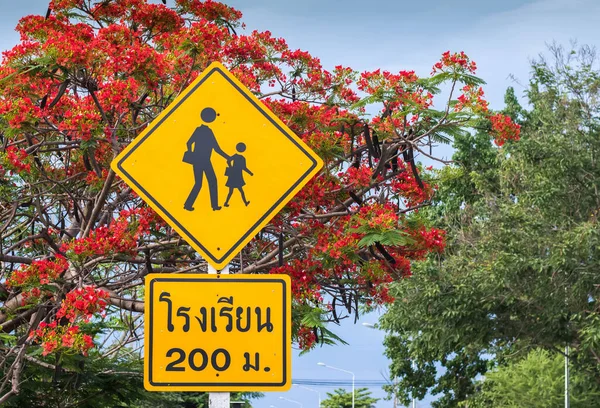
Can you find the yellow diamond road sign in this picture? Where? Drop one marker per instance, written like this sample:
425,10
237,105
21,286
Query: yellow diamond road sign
217,165
217,333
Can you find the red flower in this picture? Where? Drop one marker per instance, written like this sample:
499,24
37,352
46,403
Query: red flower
503,129
38,273
83,302
54,338
18,159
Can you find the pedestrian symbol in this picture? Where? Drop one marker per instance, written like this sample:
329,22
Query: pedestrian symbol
235,174
217,165
204,142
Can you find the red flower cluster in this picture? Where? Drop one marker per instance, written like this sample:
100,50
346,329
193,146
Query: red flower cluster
357,177
407,187
337,245
304,279
18,112
67,339
378,216
210,10
403,94
116,238
38,273
455,62
432,239
503,129
306,337
92,179
373,81
472,99
84,302
121,236
17,159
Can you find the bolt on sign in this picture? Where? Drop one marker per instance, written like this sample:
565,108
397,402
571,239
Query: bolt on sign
217,332
217,165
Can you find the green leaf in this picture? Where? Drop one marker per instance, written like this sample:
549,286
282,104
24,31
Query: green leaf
313,318
370,239
329,335
471,80
436,79
396,238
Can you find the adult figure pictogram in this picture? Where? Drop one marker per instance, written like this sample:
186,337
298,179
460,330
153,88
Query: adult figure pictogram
235,173
200,147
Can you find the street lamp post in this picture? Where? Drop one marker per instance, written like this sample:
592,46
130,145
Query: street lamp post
345,371
289,400
310,389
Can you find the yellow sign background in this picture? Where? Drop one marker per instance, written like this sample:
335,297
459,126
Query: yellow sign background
280,162
168,352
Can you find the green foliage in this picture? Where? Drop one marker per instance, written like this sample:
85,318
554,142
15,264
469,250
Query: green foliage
521,266
342,399
100,382
390,237
83,382
313,318
537,381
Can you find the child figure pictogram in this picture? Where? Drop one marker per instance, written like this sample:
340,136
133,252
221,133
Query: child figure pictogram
235,174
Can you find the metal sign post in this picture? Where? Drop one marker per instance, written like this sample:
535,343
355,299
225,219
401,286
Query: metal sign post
218,399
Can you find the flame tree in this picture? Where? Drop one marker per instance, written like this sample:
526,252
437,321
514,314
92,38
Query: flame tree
76,242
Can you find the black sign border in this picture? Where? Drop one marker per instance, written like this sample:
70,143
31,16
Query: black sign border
210,384
267,214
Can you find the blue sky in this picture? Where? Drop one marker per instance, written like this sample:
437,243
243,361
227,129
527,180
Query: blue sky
500,35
